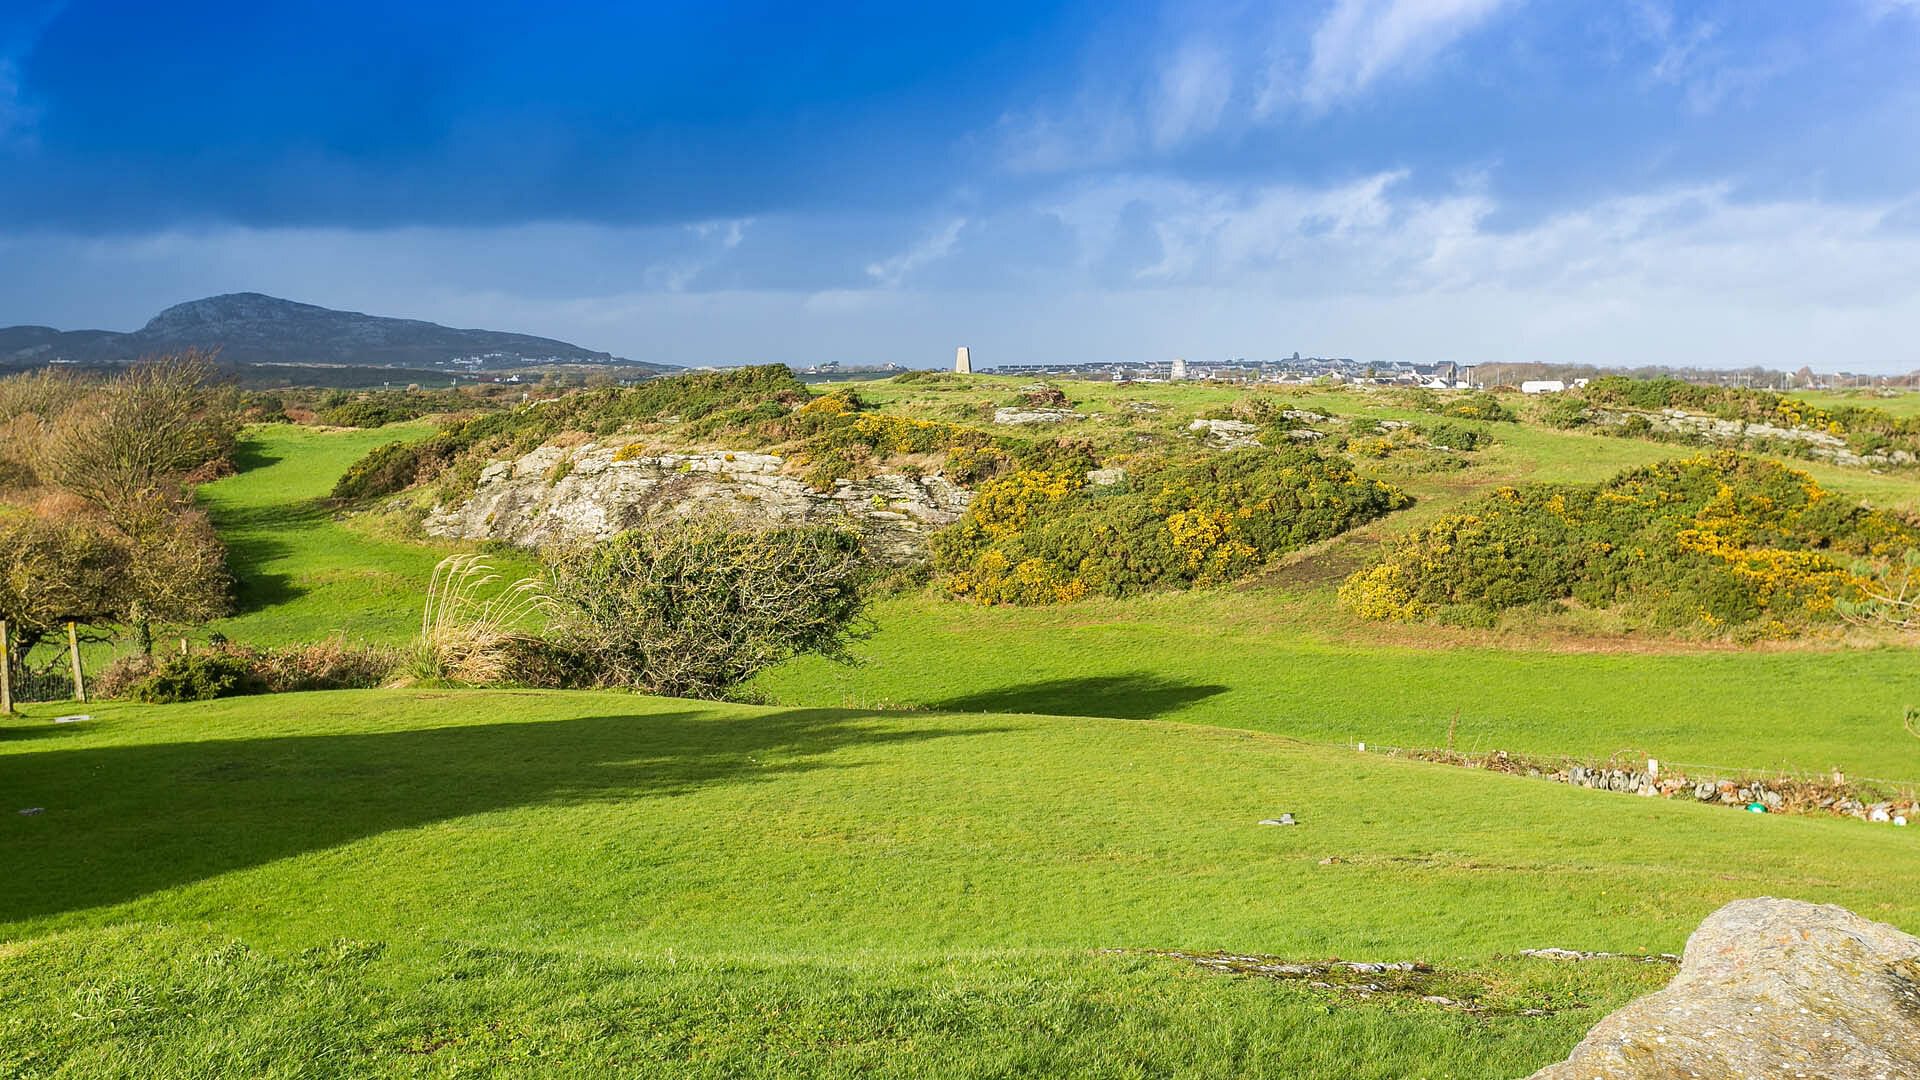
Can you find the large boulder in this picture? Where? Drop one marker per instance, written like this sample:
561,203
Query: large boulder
1769,988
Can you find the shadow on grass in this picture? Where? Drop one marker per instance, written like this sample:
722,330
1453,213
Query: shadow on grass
254,536
121,822
1137,696
250,454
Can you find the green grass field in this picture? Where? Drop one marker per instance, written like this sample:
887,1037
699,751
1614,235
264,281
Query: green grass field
499,883
953,858
303,570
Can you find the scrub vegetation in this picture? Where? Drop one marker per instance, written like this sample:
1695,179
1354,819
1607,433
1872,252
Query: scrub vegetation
930,836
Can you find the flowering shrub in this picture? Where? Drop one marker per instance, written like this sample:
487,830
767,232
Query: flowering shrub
1039,536
1714,541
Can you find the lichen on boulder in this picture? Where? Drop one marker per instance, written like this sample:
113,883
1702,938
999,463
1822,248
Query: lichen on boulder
1769,988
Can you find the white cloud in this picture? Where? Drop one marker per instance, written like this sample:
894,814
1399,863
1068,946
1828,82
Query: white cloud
1192,92
1691,57
1361,42
890,272
1373,267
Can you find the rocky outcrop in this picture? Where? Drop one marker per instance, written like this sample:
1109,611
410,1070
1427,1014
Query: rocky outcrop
597,490
1226,434
1820,444
1769,988
1021,415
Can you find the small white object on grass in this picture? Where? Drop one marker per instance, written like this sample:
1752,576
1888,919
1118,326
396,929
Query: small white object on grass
74,719
1363,748
1899,820
1283,819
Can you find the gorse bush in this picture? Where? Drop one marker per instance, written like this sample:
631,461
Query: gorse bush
1473,405
199,677
1710,542
695,607
1043,536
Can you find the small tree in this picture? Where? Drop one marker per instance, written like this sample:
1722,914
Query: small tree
176,567
696,607
138,434
53,572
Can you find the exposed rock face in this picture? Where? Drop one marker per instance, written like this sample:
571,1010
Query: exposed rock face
1035,415
1821,444
587,492
1769,988
1226,434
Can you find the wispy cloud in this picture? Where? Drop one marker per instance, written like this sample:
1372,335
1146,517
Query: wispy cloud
1363,42
890,272
1690,55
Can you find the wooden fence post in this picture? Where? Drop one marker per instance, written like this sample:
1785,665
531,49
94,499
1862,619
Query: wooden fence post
6,671
73,648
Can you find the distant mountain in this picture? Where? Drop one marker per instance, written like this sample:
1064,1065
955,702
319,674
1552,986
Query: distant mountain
249,328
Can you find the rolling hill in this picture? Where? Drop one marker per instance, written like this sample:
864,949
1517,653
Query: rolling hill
252,328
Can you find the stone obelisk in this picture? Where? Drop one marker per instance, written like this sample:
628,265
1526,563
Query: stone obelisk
962,361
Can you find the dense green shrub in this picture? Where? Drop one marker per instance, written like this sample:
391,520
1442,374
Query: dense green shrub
1455,436
1717,541
199,677
1565,411
1042,536
373,412
1478,405
696,607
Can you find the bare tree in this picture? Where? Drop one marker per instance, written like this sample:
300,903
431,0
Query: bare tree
138,434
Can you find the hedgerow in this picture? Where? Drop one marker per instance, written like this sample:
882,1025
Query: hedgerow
1710,542
1037,535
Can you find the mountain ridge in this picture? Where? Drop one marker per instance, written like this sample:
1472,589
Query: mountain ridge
254,328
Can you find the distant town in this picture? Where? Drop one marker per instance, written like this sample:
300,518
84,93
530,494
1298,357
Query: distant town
1299,370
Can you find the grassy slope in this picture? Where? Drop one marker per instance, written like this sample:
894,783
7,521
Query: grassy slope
1280,657
1213,658
302,574
425,883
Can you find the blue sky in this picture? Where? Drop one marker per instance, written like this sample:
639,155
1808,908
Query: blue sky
1644,181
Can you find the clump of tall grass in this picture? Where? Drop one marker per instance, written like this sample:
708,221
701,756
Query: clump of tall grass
473,629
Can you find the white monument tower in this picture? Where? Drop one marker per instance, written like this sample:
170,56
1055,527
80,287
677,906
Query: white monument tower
962,361
1179,368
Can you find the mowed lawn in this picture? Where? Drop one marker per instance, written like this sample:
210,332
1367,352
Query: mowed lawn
442,883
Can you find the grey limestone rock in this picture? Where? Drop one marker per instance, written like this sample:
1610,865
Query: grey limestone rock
1769,988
